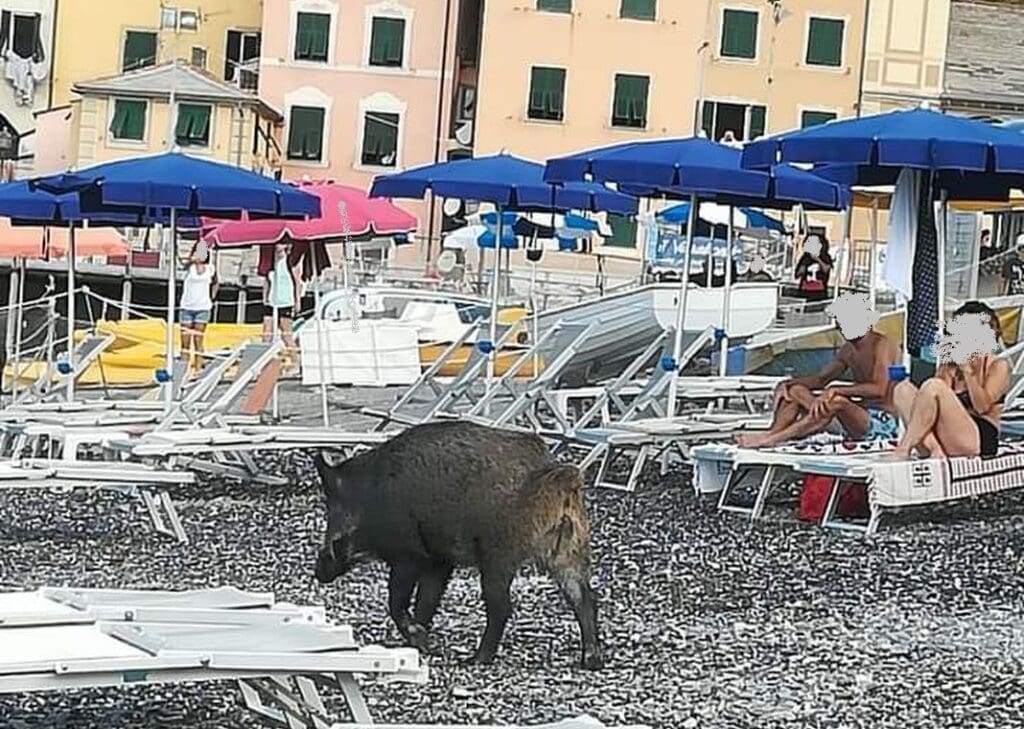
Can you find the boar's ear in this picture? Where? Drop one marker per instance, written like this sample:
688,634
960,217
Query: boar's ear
564,480
329,458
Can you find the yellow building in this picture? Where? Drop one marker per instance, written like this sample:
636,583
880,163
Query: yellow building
157,108
103,38
784,64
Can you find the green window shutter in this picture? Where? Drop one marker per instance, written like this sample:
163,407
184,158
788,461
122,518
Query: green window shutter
757,122
312,36
825,42
639,9
547,94
193,127
630,105
739,34
707,119
306,133
129,122
387,42
814,118
139,50
623,231
555,6
380,139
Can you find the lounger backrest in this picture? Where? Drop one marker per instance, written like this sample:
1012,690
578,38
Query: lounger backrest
255,357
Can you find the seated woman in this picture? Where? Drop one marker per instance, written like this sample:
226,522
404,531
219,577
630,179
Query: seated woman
957,412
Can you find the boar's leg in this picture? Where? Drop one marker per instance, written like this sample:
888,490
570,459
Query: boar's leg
401,583
574,584
430,590
495,582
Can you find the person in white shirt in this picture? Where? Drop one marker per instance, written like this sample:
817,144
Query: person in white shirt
280,296
197,295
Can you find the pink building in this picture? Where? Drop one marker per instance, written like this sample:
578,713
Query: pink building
364,85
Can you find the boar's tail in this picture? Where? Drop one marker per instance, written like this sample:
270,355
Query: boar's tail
558,516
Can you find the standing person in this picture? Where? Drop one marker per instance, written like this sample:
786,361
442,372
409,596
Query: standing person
986,245
198,291
280,292
814,269
1013,270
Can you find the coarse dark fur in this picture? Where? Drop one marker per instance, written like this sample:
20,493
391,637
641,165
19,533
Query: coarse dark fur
456,494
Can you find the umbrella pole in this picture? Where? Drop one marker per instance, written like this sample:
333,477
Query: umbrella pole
874,252
726,299
844,251
684,283
491,360
320,324
943,241
71,313
172,254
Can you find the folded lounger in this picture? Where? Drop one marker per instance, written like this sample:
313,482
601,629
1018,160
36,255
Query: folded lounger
280,654
890,484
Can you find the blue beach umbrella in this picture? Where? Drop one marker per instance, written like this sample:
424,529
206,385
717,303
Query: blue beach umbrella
743,217
964,159
699,170
180,187
511,184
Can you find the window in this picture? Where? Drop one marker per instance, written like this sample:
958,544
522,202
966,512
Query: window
639,9
199,57
547,94
306,133
26,41
129,121
814,118
193,127
555,6
739,34
825,42
387,42
188,20
169,18
242,59
623,231
312,35
380,139
629,108
139,50
745,121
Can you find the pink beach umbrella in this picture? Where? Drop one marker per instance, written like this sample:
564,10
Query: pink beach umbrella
345,212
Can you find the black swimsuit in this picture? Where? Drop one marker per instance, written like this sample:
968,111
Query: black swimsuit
988,434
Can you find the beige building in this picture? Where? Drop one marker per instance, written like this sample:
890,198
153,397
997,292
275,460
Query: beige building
905,54
772,66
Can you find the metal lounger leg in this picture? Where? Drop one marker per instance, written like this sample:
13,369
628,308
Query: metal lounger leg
735,476
829,518
762,493
354,698
163,512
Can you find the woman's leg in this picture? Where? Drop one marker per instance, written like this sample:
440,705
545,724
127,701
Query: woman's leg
197,340
268,327
903,397
286,332
938,412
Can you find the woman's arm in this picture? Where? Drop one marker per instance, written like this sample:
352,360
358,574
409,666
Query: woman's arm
985,394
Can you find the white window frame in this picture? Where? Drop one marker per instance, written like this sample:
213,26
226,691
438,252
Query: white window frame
173,11
308,96
243,32
383,103
746,120
757,39
199,20
210,141
611,101
387,9
818,109
842,68
565,96
124,42
115,143
312,6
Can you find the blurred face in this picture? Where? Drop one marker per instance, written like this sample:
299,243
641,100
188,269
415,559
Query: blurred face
813,246
853,315
281,250
756,264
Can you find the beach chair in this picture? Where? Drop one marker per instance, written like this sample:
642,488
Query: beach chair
280,655
579,722
436,396
553,353
86,353
132,480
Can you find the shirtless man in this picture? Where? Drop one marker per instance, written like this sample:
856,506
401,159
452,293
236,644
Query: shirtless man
867,354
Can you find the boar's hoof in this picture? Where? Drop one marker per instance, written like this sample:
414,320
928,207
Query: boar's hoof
418,637
481,659
593,662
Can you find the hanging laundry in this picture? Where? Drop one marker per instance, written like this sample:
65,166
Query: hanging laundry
25,62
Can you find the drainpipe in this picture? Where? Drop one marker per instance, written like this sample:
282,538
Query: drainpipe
440,117
863,58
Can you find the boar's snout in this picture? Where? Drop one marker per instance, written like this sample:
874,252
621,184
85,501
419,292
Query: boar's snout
335,559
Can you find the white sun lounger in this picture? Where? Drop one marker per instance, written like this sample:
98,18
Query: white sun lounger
580,722
280,655
890,484
86,352
134,480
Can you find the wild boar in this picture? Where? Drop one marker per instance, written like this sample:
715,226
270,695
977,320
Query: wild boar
455,494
